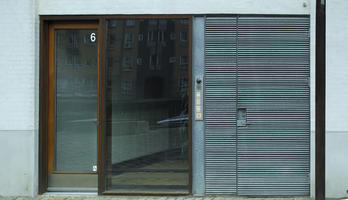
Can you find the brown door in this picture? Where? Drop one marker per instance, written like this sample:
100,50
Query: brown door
73,107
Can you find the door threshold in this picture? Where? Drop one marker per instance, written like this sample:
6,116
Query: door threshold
70,194
72,190
146,193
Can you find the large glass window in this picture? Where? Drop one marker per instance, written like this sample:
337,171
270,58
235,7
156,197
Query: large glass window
147,101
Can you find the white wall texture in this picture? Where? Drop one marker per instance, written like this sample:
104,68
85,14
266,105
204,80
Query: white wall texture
19,75
173,6
337,98
18,98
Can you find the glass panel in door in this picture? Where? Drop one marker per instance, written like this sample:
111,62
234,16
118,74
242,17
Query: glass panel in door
76,101
74,148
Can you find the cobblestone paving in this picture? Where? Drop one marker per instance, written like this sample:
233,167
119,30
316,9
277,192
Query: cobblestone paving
95,197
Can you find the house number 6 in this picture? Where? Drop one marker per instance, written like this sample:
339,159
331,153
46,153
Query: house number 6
93,37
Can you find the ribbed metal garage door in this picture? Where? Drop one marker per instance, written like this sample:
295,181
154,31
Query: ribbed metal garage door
220,105
260,69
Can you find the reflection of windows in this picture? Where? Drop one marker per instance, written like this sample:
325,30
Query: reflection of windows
111,40
183,60
156,35
73,60
140,37
163,24
154,62
152,22
126,87
59,39
151,36
61,59
139,61
109,62
149,96
160,35
86,39
183,36
73,40
112,23
127,63
130,22
172,36
128,40
172,59
184,21
183,63
182,84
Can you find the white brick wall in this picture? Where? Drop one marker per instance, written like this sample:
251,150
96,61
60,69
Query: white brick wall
17,65
173,6
17,97
337,98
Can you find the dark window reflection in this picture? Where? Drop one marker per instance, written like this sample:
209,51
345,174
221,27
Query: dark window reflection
147,105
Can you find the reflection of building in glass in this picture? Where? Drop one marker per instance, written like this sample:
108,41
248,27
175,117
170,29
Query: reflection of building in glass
122,57
76,63
148,54
147,69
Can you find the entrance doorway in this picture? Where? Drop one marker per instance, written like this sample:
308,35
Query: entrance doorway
73,107
115,106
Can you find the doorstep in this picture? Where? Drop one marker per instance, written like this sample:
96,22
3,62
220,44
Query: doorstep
93,196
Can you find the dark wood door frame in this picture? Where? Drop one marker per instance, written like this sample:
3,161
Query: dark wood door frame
45,105
45,22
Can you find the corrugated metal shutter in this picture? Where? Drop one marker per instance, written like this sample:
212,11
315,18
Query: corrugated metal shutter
220,105
272,65
273,73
